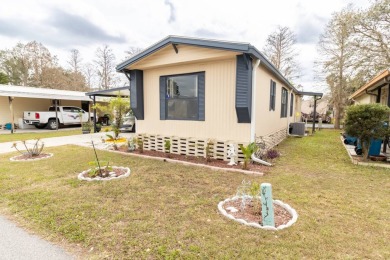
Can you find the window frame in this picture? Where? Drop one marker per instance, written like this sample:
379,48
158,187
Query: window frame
272,101
284,103
198,97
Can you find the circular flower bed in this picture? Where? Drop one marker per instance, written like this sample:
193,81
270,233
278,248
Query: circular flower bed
27,157
115,172
231,208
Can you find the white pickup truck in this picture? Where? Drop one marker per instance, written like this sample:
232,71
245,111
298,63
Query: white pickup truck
67,115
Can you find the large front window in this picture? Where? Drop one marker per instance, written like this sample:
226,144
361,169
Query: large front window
182,97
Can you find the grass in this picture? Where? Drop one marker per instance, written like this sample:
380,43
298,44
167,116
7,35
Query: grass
169,211
27,136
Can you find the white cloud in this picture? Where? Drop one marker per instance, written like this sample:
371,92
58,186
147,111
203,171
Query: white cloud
140,23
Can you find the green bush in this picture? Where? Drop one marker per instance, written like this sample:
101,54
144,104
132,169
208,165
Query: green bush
366,122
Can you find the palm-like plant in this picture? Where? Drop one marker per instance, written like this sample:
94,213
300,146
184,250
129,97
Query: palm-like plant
247,151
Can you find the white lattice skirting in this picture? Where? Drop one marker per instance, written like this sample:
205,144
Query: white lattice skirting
197,147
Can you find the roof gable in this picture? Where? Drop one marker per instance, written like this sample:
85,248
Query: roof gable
239,47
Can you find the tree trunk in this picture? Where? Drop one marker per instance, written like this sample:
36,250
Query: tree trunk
365,146
337,117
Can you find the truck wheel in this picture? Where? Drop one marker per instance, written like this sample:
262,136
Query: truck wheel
52,124
40,126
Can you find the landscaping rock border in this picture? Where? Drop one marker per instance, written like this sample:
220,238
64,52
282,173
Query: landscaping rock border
82,178
13,159
287,207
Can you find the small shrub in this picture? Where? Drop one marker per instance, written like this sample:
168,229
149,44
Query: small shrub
249,191
98,170
272,154
167,146
247,152
35,150
140,144
208,151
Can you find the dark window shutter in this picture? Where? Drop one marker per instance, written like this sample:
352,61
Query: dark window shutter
243,88
137,93
291,104
201,96
274,99
163,91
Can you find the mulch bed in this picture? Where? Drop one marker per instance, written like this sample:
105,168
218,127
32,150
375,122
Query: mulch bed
198,160
250,213
26,157
105,173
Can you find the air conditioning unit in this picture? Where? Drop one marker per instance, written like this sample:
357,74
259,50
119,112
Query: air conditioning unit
297,128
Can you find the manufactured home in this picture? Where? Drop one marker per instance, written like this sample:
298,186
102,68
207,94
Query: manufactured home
193,91
374,91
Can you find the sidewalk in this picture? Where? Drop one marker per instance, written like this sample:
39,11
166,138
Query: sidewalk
15,243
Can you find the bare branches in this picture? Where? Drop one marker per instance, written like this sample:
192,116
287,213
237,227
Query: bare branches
279,49
105,60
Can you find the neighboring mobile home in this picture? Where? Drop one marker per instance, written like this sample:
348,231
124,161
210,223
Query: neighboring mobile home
190,90
374,91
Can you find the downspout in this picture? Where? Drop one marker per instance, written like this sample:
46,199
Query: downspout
253,114
253,109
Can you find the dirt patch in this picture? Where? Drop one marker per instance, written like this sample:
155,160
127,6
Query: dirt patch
106,173
198,160
27,157
252,214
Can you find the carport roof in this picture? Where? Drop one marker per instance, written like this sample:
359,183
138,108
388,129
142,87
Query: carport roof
45,93
112,92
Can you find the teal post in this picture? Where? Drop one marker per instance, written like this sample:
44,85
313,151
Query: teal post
267,207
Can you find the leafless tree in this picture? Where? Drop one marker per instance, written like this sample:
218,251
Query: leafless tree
89,74
76,79
279,49
132,51
74,60
335,47
105,61
372,36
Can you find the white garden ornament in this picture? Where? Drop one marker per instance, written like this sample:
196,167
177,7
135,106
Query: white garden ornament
232,154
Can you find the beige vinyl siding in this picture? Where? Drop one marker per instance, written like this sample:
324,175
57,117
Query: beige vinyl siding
365,99
220,115
269,122
186,54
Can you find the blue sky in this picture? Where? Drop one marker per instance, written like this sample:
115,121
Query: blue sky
62,25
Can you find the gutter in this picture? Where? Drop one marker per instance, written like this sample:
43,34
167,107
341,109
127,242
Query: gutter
253,108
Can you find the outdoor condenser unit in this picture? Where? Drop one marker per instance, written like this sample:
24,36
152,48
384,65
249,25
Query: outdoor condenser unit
298,128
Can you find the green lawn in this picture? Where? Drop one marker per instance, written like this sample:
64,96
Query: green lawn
27,136
169,211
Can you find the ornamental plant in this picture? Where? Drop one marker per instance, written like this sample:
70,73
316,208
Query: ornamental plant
367,122
117,107
31,150
247,151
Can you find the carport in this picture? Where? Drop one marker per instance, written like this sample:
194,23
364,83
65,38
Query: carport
16,99
317,96
123,92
